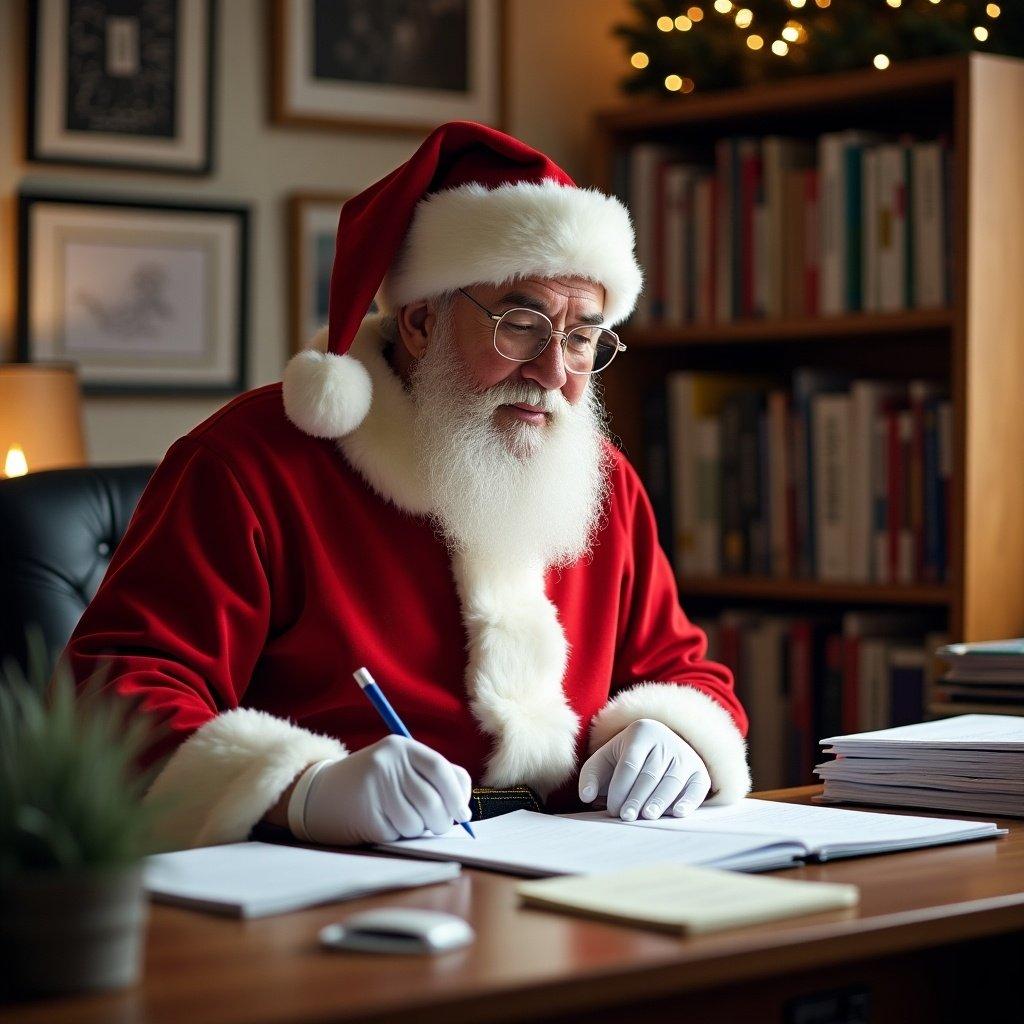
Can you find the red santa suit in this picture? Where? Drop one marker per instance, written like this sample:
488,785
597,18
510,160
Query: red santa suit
263,565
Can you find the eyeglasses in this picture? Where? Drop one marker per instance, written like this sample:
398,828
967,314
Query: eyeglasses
523,334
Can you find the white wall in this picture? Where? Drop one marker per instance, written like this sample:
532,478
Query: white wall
563,64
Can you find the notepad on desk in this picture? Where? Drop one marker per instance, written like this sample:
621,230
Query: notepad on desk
687,900
259,879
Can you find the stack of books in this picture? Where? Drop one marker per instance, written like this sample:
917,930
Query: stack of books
972,763
984,677
815,476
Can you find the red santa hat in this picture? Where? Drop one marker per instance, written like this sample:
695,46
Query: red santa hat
471,206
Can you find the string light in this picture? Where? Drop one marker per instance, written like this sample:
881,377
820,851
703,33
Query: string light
755,42
688,85
744,16
723,6
683,23
780,47
823,3
640,59
981,33
894,3
673,83
797,3
695,14
993,10
666,24
881,61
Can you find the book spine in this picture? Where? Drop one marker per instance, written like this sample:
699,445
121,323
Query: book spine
779,483
812,244
657,462
801,670
832,215
906,683
709,514
723,230
851,699
880,497
905,551
894,505
945,434
656,279
829,710
852,228
869,238
733,554
831,478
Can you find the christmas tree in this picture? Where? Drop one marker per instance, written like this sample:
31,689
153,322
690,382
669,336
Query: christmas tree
679,47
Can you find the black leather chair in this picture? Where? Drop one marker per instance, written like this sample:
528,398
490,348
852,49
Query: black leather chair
58,529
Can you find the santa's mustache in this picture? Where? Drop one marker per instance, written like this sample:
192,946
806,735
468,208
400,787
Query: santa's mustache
513,392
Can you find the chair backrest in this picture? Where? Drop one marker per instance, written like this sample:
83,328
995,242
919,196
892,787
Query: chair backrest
58,529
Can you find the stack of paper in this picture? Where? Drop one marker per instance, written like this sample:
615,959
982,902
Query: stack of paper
256,879
972,763
686,900
752,835
984,677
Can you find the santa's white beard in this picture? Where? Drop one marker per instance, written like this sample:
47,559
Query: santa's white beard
529,494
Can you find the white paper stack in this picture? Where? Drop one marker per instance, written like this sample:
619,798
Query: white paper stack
972,763
985,677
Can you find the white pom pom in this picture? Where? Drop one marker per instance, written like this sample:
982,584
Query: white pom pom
326,395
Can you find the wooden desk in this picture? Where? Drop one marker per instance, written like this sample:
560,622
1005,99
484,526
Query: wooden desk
926,943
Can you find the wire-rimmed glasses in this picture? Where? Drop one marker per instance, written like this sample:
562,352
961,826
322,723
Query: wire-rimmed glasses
522,334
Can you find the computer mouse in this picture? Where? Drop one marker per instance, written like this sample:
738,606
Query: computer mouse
398,930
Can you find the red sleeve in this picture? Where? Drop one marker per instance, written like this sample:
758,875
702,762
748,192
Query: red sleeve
660,668
658,642
182,614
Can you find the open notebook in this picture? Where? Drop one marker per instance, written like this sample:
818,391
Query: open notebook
752,835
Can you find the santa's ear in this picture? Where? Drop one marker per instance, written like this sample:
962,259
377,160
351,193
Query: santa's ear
415,322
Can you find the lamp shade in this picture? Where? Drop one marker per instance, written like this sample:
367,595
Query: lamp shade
40,418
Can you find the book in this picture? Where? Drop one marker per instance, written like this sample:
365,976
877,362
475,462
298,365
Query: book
686,900
750,835
258,879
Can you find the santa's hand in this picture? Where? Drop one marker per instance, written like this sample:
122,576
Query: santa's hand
395,789
646,770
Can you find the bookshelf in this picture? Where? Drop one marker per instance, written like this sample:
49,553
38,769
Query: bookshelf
976,344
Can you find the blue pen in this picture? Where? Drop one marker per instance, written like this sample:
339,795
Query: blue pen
387,712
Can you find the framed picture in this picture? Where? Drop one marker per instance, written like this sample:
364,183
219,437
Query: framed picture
312,228
402,65
116,84
144,297
312,231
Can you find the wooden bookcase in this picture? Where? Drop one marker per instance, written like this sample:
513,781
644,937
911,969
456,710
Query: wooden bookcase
976,345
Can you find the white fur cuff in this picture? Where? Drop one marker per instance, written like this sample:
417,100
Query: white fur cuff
229,773
696,717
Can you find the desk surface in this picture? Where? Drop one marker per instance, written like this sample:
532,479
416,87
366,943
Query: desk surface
202,968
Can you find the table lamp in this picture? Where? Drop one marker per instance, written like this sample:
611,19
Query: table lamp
40,418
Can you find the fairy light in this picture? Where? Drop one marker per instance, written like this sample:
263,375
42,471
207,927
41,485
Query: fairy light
894,3
980,33
744,16
683,23
755,42
823,3
797,3
666,24
687,86
639,59
780,47
993,10
673,83
695,14
881,61
723,6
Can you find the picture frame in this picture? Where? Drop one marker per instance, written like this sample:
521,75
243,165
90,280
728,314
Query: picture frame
145,297
312,230
121,86
405,66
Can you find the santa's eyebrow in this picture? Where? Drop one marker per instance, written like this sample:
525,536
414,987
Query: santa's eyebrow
522,299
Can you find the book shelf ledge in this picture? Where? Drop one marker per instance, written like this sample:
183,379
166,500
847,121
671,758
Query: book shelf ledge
810,329
770,589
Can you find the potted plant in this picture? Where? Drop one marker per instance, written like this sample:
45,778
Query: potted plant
73,832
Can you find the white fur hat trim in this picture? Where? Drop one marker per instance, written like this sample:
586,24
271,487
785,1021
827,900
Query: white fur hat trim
475,235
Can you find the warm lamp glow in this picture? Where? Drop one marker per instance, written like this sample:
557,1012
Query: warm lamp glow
40,418
683,23
665,23
780,47
15,464
881,61
993,10
981,33
673,83
744,16
640,59
695,14
755,42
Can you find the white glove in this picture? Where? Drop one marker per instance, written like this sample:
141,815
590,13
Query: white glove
646,766
396,788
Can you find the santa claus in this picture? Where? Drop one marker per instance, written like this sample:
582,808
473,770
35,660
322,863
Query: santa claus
432,497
